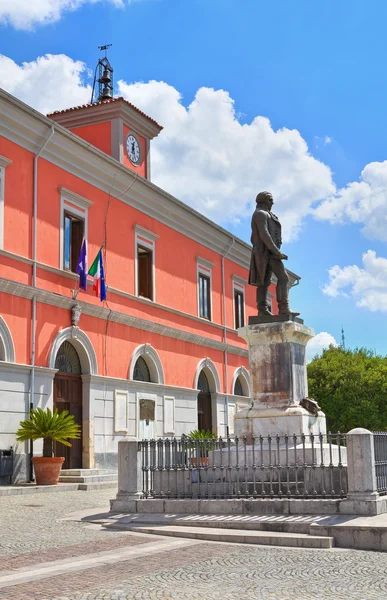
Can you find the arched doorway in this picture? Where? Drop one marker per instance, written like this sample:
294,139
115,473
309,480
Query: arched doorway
68,396
204,403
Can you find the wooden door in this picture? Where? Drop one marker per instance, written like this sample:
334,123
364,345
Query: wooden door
68,396
204,411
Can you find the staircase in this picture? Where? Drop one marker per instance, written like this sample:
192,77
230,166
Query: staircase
260,530
90,479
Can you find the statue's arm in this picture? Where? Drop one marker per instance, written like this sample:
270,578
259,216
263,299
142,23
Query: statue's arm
261,220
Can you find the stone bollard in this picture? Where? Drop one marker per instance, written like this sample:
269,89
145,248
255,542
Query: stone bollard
129,477
361,465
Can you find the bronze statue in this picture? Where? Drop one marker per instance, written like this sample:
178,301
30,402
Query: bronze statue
266,257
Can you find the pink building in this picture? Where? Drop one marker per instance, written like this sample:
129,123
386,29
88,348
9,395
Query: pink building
161,356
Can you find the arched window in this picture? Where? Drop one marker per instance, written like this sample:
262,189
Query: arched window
203,384
67,359
141,371
238,389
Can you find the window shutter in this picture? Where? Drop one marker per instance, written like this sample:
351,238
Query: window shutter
77,228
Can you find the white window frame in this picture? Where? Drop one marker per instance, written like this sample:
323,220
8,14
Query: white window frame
169,398
75,205
238,284
117,427
204,267
4,162
145,238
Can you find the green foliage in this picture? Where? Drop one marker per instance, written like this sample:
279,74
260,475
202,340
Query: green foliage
351,388
52,427
200,434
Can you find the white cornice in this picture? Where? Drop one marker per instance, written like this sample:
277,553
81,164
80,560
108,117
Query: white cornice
145,233
4,161
73,197
28,128
204,262
239,280
25,291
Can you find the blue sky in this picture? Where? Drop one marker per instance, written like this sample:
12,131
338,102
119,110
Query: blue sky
316,68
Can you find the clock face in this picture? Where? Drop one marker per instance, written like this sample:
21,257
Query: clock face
133,149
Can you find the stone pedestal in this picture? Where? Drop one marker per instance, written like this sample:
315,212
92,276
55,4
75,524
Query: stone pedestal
279,382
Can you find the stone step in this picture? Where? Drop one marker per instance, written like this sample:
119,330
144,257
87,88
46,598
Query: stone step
87,478
288,524
98,485
87,472
241,536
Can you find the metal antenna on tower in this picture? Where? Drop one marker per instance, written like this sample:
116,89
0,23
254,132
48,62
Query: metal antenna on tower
105,78
342,338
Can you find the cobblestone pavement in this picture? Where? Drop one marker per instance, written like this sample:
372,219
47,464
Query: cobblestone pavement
112,565
32,521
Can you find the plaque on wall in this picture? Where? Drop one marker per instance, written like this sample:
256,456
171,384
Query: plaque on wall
147,410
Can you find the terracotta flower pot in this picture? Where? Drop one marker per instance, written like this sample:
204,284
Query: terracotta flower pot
47,469
203,460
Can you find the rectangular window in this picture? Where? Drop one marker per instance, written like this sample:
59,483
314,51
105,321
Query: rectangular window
239,309
204,296
74,230
145,272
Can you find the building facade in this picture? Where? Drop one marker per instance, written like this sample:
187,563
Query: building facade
161,356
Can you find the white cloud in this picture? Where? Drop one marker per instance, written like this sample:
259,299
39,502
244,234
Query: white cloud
22,14
320,342
52,82
205,155
363,202
208,159
327,140
367,285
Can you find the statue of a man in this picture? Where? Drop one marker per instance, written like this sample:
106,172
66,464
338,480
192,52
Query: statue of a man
266,257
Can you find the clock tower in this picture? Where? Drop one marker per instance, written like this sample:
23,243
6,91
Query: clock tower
113,125
116,127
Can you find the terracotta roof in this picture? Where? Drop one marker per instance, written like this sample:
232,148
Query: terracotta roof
67,110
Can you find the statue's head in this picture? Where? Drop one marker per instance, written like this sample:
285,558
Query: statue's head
265,198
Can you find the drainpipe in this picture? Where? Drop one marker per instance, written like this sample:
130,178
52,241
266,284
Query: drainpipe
225,368
34,245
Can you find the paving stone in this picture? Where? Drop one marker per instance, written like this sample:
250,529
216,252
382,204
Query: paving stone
33,531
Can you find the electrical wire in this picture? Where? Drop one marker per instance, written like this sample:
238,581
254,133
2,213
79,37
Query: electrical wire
104,246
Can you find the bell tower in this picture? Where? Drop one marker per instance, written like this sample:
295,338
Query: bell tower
105,78
111,124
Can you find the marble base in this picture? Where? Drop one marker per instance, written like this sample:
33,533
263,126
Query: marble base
294,420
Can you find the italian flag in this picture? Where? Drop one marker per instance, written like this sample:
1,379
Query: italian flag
97,272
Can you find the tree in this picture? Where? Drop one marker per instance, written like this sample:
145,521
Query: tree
351,388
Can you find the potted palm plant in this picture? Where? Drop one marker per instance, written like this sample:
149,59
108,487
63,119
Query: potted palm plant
51,427
200,441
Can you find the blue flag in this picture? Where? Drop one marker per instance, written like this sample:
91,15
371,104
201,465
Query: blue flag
102,291
82,266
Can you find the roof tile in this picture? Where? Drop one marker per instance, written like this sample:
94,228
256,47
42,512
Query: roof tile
120,98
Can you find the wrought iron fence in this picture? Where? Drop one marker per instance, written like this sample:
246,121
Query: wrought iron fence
305,466
380,452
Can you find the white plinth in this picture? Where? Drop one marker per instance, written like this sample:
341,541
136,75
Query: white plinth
290,421
279,382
